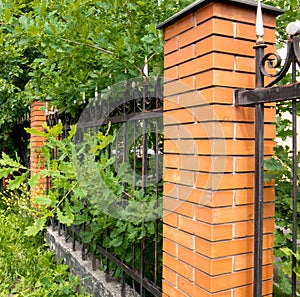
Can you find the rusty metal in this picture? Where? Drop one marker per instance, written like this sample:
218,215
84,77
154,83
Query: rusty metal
267,95
265,65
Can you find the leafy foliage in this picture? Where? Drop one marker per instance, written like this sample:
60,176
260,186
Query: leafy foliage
291,13
86,190
55,50
26,267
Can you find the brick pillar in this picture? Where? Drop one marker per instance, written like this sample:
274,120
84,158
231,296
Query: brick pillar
209,152
37,120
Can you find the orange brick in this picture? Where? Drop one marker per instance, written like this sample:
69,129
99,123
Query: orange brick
189,81
244,164
231,214
172,161
171,73
180,26
192,98
245,64
178,236
205,197
222,181
175,88
191,289
215,25
204,163
247,196
223,282
169,275
224,45
171,291
267,287
178,266
213,129
170,247
242,30
179,116
180,177
183,146
171,45
181,207
180,56
170,189
245,261
196,33
209,266
248,131
217,94
171,103
171,132
234,13
227,147
204,230
170,218
224,78
245,229
230,247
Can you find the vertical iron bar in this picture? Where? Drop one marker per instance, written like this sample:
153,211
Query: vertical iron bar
123,284
143,265
134,183
107,270
74,239
94,261
83,247
259,176
294,197
125,157
157,196
144,184
59,228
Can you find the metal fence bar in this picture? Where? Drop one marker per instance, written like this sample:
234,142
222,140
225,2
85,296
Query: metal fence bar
258,97
139,113
295,183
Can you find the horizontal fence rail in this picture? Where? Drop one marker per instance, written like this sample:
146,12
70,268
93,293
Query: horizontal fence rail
132,113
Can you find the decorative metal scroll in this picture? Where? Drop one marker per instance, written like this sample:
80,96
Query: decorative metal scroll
274,61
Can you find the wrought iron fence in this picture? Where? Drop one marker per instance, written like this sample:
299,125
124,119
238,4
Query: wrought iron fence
265,66
132,111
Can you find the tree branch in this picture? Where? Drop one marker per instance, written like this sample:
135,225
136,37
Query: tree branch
88,45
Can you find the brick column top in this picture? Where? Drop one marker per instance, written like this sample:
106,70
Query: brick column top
197,4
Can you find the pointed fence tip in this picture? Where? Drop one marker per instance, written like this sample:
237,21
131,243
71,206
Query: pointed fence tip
259,22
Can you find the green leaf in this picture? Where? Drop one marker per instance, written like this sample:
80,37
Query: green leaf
87,236
36,132
72,132
17,181
43,200
34,179
38,225
117,241
64,219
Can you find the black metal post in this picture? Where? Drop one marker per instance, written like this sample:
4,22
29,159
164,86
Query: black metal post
259,175
295,194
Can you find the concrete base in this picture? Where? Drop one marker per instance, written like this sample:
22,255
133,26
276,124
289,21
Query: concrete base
93,281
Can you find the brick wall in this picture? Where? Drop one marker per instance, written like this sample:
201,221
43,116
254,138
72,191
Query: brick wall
209,153
37,120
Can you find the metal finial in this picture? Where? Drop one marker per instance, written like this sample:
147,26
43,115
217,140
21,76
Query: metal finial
145,70
259,22
293,28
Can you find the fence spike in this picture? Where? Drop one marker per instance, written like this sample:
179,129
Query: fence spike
259,22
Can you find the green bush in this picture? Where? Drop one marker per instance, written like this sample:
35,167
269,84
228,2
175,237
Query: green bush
27,268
